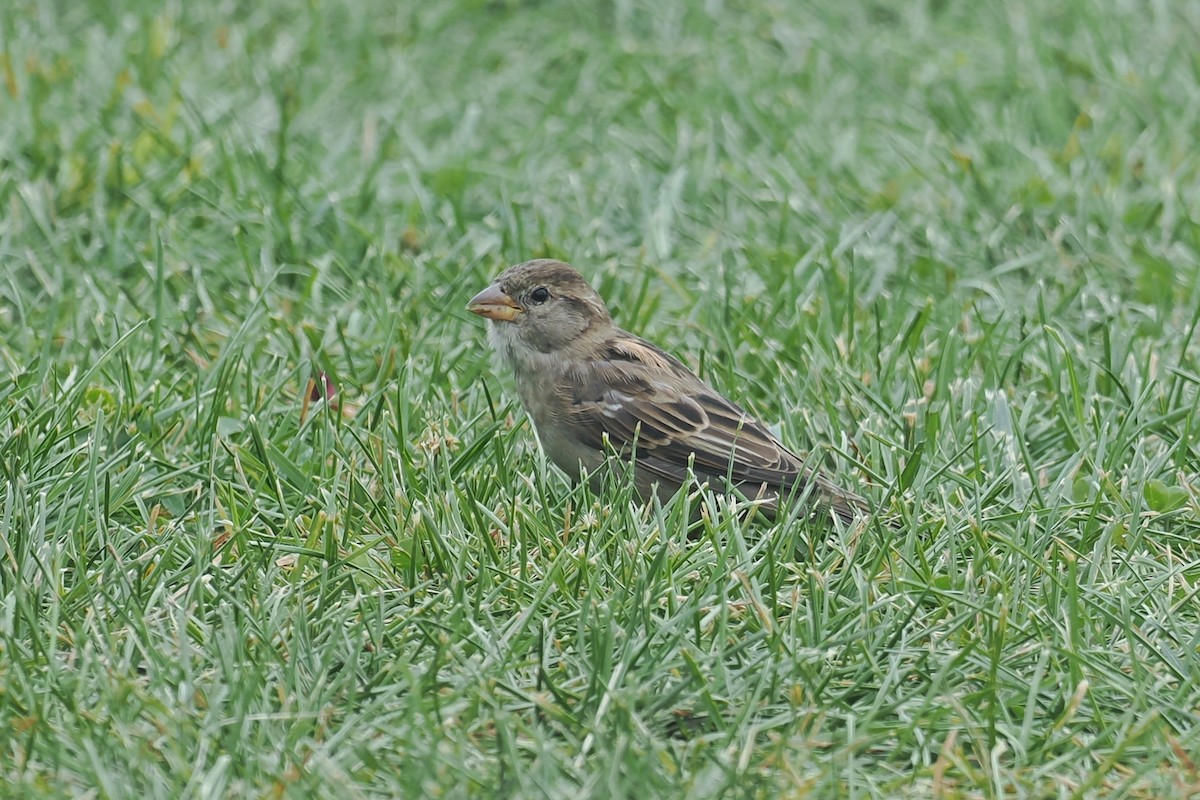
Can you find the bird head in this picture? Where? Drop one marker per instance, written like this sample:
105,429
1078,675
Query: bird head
546,305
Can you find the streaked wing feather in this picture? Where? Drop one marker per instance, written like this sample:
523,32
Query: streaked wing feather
626,398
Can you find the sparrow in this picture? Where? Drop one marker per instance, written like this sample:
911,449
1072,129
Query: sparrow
593,391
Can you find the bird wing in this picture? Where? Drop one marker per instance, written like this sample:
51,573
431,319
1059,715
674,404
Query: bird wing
638,397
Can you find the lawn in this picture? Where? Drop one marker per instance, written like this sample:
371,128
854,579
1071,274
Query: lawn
952,249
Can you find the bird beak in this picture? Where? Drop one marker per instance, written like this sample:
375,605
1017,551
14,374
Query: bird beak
493,303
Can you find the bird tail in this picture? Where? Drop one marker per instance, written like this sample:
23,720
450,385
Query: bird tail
830,499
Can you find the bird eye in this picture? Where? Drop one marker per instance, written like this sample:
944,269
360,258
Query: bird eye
540,294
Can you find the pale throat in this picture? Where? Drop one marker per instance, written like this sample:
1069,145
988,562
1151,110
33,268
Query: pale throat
536,373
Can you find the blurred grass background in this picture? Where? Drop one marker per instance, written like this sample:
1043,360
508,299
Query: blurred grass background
953,247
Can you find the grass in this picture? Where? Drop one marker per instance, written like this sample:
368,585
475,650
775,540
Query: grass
953,249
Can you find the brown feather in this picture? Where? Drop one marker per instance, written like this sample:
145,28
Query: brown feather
623,395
